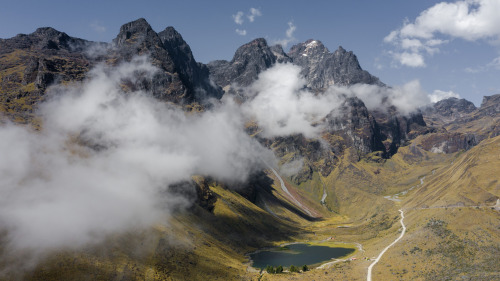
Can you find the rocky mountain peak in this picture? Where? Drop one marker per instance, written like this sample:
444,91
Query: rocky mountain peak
321,68
180,79
248,61
175,45
48,32
138,38
135,32
45,39
340,50
193,74
454,106
310,47
256,49
136,26
490,105
171,35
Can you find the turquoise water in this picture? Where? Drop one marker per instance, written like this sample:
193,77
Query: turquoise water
298,255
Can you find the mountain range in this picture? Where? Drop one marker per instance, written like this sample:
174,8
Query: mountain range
361,154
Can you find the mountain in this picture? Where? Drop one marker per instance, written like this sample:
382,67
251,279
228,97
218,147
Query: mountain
344,187
460,125
322,69
355,128
29,64
248,61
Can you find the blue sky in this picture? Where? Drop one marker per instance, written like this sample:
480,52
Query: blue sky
451,47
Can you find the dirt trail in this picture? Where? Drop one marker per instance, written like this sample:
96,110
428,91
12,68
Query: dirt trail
369,276
283,187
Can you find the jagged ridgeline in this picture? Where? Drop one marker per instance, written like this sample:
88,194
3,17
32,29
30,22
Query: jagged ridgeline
30,63
331,185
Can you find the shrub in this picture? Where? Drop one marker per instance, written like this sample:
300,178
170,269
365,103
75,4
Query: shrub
293,268
305,268
270,269
279,269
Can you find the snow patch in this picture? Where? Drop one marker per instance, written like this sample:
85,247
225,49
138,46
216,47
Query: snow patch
312,44
309,46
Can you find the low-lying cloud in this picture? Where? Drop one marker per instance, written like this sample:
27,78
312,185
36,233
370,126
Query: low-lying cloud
281,106
104,159
407,98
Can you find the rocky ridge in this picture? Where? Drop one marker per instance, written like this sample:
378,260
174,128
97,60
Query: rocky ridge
354,127
322,69
29,63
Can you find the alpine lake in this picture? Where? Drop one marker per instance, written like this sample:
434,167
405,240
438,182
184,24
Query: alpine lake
299,254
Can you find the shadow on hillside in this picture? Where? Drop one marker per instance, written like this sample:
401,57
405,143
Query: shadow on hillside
264,188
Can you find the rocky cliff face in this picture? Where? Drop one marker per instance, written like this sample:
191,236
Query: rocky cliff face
30,63
355,126
321,68
490,106
193,74
138,38
248,61
180,79
459,125
448,110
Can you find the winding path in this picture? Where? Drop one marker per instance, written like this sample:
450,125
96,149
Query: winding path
283,187
369,276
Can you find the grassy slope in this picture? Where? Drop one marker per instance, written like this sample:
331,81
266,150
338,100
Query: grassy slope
456,241
192,245
440,242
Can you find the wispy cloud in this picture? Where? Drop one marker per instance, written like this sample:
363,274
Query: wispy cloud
492,65
241,32
495,63
238,18
253,14
289,36
469,20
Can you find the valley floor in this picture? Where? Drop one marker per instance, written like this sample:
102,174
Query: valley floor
447,234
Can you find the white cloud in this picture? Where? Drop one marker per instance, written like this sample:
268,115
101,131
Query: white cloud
413,59
104,160
406,98
289,36
291,29
96,26
241,32
438,95
281,106
253,14
238,18
469,20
